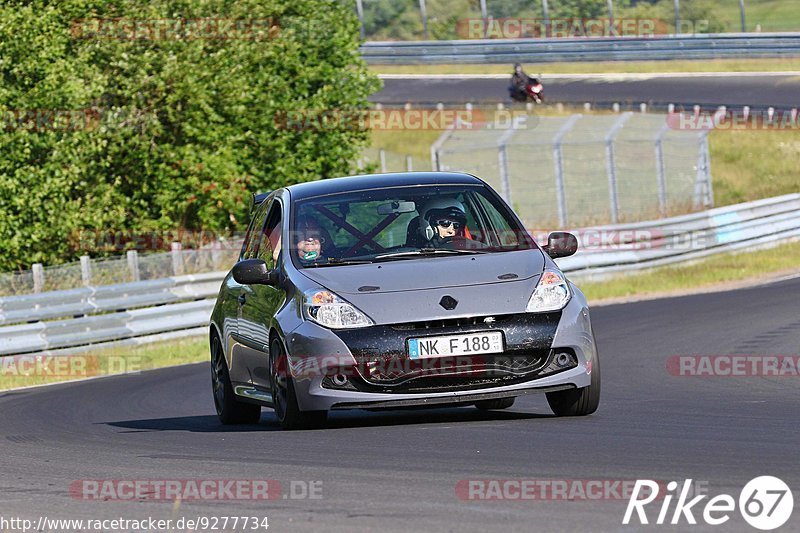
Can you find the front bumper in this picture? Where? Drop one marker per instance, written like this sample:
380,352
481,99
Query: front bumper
380,374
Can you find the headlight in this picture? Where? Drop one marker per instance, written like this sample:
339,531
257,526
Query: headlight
329,310
551,294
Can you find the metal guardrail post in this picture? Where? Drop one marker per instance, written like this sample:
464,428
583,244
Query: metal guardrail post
702,184
424,12
86,270
436,163
546,17
38,277
611,165
484,18
177,258
133,264
558,161
360,12
502,161
743,17
611,17
661,174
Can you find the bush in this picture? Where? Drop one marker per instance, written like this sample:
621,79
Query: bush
154,134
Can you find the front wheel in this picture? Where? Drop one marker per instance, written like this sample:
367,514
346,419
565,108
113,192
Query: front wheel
284,398
229,409
578,402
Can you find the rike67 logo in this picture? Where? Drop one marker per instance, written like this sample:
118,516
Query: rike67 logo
765,503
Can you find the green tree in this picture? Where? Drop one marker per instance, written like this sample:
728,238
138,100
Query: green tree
168,132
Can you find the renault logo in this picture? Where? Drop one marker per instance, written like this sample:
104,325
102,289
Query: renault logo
448,302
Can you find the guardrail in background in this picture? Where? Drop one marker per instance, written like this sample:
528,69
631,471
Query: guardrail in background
78,332
108,298
688,237
644,245
697,46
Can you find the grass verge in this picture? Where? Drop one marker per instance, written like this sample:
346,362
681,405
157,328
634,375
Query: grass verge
713,272
24,371
603,67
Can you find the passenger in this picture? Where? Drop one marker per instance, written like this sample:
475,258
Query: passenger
310,239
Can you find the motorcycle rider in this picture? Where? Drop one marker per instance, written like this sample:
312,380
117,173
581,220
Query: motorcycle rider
519,83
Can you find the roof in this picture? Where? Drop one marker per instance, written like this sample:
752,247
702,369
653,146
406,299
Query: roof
372,181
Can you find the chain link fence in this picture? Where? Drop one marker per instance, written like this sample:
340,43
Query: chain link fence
128,268
582,170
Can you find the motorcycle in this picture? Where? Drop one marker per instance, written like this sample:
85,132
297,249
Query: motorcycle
534,92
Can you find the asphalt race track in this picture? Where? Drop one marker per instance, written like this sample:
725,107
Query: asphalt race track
759,92
398,471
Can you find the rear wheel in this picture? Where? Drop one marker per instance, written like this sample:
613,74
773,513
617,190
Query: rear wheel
284,398
578,402
493,405
229,409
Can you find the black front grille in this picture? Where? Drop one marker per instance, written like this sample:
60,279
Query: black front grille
451,323
397,370
498,374
383,364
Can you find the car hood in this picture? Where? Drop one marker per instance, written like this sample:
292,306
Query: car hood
411,290
442,271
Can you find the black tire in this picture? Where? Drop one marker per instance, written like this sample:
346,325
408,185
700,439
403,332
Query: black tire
229,409
493,405
284,398
578,402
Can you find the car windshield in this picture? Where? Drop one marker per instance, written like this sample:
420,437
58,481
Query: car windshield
400,223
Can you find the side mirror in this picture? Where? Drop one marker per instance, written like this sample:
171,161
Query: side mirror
561,244
254,272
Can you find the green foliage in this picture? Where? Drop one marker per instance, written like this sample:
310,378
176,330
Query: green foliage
163,133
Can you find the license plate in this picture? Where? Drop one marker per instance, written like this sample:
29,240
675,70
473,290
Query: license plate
471,344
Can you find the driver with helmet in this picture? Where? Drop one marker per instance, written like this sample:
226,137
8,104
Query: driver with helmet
443,224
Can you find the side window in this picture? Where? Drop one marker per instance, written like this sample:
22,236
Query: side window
270,245
505,234
254,232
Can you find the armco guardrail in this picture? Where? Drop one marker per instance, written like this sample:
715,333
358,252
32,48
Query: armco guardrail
59,334
108,298
696,46
635,246
644,245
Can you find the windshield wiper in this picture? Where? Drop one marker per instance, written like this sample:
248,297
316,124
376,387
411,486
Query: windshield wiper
427,252
336,262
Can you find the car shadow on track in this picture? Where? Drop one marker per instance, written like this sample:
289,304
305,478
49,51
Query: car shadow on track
195,424
337,420
360,418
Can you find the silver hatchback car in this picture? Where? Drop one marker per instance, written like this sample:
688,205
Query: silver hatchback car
396,290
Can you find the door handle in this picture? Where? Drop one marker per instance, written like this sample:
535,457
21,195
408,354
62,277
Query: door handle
241,299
